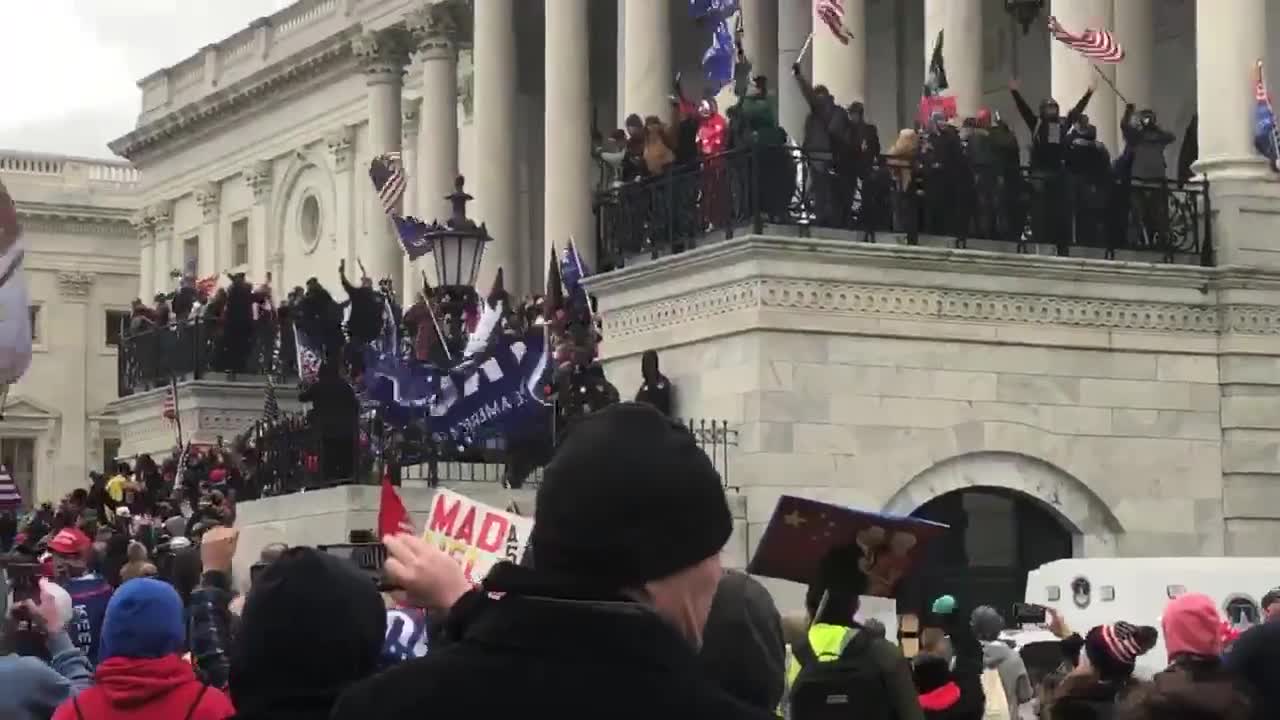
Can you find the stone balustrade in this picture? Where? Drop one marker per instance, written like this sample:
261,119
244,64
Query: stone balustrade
36,168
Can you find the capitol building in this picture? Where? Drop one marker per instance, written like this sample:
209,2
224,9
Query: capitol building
1087,405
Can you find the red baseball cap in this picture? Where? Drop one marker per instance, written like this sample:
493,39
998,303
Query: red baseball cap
70,541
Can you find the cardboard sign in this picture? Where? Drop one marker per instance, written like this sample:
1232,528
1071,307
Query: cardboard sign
478,536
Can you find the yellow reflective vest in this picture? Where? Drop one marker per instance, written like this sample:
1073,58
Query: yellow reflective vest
827,642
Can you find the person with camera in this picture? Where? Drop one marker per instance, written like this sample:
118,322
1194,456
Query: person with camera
40,667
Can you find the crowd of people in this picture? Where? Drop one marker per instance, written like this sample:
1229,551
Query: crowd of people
610,610
946,175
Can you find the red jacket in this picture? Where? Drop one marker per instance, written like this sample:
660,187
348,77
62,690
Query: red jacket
152,689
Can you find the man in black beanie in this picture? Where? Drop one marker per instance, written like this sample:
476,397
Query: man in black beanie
628,526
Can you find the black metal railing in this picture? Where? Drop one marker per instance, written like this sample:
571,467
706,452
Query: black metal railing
1018,209
196,349
290,455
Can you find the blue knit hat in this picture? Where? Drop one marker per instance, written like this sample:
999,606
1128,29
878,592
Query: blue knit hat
144,620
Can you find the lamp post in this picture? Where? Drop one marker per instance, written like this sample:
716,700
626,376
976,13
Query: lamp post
458,247
1024,12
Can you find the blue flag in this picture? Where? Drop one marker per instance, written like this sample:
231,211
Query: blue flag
572,271
413,236
717,61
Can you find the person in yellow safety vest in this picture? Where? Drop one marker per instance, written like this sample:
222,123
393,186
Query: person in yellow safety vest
832,637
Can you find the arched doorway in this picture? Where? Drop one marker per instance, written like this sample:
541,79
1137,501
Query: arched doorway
997,535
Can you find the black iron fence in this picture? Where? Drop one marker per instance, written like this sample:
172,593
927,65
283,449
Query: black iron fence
291,455
196,349
1016,208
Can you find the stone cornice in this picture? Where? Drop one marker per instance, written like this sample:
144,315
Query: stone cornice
238,97
764,276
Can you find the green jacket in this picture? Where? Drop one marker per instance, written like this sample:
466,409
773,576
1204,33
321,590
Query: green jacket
754,118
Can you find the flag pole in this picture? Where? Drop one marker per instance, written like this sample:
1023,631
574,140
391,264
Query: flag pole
805,48
1110,84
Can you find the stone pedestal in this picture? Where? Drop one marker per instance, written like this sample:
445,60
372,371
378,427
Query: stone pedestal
209,409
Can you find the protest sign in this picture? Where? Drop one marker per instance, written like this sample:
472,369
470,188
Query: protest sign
478,536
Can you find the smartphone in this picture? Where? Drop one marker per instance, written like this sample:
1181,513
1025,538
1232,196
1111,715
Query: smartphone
1029,614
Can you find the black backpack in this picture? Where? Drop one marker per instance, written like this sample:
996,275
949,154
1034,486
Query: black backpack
852,686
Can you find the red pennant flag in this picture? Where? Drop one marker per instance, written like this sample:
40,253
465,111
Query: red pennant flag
393,518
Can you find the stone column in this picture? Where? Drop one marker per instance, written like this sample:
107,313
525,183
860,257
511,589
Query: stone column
160,216
795,20
72,319
384,55
1135,27
1231,36
1071,73
567,183
436,27
146,256
341,146
258,179
842,68
209,199
495,126
960,21
411,121
647,57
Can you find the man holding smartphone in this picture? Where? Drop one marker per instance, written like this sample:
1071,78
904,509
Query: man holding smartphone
35,680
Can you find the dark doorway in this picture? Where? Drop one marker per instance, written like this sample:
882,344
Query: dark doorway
996,537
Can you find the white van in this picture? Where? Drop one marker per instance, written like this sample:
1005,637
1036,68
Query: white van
1096,591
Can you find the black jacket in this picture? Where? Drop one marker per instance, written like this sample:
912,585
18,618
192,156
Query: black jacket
1048,139
544,651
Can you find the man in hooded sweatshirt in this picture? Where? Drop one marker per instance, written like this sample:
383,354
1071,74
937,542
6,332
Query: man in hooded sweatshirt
142,675
629,523
987,623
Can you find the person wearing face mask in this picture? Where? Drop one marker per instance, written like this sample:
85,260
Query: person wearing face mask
629,522
824,131
948,184
1051,216
1089,166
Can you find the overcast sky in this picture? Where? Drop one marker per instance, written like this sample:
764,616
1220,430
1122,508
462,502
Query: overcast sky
69,68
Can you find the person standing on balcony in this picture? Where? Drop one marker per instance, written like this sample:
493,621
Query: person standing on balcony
1050,185
713,140
824,129
237,325
1143,160
753,123
861,156
655,388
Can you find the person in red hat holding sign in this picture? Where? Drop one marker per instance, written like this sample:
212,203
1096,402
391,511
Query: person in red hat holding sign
89,591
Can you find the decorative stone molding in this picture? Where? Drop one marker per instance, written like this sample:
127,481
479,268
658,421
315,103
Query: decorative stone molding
341,144
74,285
208,197
161,217
258,177
941,304
437,25
382,53
235,100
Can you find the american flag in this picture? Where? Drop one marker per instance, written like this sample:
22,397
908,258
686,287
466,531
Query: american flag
1097,45
309,359
831,13
387,173
270,405
170,408
10,497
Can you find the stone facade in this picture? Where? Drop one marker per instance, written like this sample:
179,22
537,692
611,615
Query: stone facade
1130,398
82,265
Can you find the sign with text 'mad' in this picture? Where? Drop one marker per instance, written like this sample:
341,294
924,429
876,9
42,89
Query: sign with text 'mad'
478,536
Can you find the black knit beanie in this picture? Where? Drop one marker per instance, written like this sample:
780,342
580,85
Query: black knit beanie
629,497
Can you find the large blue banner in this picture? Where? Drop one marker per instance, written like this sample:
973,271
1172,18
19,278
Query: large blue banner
488,395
